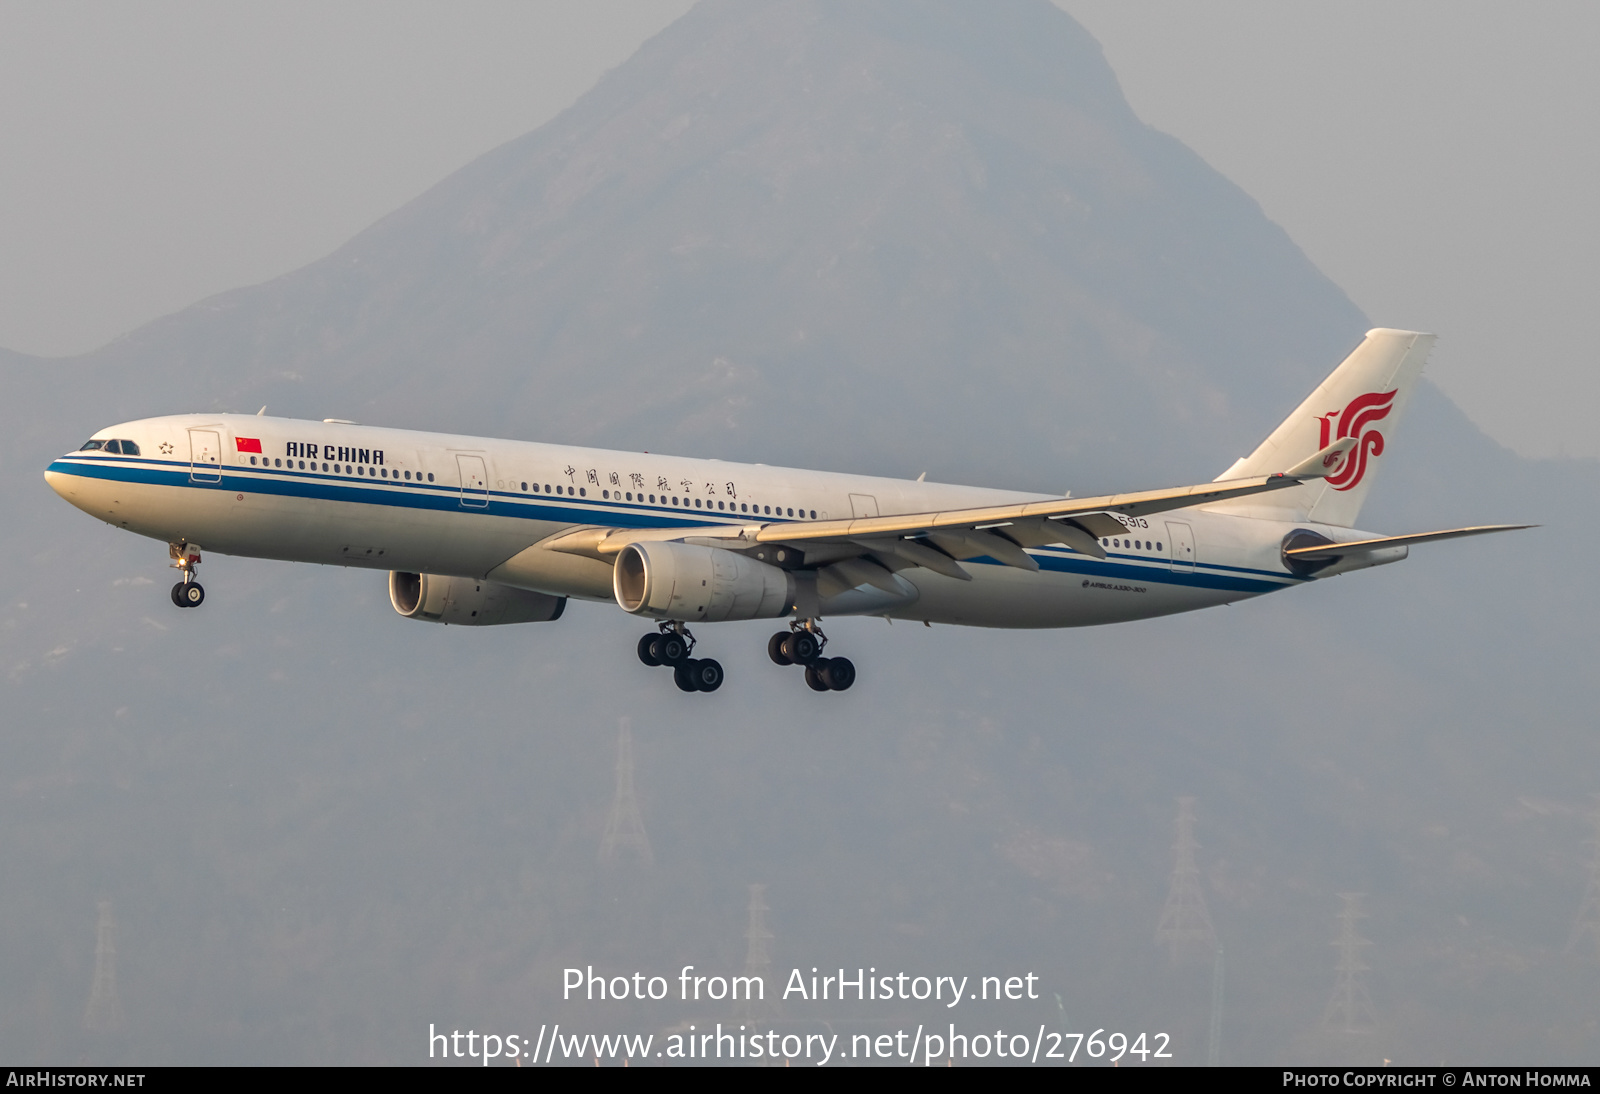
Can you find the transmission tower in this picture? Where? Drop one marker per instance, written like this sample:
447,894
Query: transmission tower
104,1012
757,958
1586,928
1185,927
625,827
1350,1010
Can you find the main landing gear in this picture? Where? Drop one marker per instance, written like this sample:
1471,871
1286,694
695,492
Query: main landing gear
802,645
671,648
187,593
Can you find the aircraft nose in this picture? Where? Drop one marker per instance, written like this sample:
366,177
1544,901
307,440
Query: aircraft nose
60,482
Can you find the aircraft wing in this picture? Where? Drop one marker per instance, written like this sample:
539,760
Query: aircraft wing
1080,523
868,550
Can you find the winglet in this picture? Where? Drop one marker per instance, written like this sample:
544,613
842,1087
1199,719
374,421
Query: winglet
1324,463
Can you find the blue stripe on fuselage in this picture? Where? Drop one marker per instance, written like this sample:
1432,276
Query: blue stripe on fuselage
402,495
445,498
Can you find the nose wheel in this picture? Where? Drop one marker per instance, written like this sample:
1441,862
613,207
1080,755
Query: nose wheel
802,645
670,649
187,593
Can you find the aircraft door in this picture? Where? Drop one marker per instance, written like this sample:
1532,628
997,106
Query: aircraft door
474,481
1181,537
205,455
863,505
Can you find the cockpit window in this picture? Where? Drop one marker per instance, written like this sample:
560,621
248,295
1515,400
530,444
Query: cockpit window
124,448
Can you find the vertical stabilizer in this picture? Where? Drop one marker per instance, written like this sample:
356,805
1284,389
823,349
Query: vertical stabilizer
1364,398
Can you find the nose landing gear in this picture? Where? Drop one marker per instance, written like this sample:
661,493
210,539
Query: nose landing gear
671,648
803,645
187,593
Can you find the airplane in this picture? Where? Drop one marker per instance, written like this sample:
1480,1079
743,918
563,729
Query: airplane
481,532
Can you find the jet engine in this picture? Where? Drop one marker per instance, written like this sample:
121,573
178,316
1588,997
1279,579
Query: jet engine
468,602
698,584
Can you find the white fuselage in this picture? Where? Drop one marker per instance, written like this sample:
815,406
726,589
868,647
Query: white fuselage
399,500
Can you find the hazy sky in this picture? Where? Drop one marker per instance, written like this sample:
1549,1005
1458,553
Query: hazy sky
1436,159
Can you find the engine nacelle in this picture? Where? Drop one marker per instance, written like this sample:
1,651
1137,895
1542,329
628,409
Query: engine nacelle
469,602
698,584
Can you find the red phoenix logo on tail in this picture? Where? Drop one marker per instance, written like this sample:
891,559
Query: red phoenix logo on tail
1353,421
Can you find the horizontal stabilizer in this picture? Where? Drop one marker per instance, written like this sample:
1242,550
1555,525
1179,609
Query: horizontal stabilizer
1322,551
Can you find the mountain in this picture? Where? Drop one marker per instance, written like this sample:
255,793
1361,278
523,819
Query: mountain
882,235
897,224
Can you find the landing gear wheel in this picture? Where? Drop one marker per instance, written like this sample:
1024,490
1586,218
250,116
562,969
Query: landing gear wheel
707,674
801,648
815,680
839,673
647,650
775,648
671,649
684,676
177,595
188,595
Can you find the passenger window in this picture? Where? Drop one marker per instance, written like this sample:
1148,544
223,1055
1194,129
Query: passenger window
430,476
252,461
813,514
583,491
277,463
524,485
791,512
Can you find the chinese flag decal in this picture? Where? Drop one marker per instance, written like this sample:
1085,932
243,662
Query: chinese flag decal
247,444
